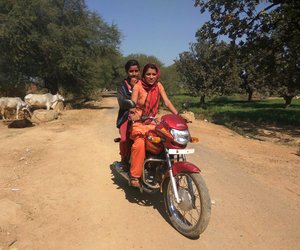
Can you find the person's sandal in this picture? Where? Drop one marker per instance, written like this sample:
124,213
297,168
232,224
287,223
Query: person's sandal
135,182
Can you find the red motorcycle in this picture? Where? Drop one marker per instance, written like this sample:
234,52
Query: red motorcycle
166,169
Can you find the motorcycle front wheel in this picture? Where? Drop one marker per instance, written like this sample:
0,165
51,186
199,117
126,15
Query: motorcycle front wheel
192,214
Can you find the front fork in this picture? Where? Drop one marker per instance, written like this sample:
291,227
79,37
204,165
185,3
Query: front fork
172,178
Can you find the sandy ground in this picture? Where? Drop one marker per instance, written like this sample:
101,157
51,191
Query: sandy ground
57,190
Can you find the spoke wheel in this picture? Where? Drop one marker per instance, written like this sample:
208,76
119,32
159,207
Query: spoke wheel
191,216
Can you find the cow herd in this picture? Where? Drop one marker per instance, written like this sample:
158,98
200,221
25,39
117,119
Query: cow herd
30,101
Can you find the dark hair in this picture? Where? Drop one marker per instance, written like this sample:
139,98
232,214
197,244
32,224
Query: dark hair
149,66
130,63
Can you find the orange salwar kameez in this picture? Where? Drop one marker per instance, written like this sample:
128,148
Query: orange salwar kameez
138,133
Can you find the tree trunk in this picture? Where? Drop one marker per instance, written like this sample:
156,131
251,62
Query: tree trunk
249,90
202,100
250,93
288,100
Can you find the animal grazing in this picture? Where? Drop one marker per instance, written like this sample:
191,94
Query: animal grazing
12,103
43,100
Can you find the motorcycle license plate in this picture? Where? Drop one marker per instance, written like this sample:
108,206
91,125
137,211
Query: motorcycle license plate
181,151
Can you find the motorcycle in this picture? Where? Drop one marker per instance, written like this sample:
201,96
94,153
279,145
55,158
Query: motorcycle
165,169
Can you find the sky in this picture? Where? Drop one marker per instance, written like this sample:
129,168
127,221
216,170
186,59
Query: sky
160,28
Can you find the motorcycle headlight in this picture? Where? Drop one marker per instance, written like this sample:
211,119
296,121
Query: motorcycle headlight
181,136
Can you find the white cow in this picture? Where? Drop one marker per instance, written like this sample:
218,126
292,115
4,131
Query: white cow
12,103
43,100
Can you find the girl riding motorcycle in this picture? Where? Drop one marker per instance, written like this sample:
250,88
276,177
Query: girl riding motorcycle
146,95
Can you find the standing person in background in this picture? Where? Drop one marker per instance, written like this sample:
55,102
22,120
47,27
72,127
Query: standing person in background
132,69
146,95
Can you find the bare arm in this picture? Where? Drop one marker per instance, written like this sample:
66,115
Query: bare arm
134,98
167,102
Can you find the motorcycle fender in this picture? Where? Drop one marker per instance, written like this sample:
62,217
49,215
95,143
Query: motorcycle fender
184,166
178,167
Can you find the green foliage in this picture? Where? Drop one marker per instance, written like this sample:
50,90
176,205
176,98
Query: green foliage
267,34
171,80
209,69
60,42
248,20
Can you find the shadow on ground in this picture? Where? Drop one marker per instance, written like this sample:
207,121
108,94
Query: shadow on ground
88,103
133,195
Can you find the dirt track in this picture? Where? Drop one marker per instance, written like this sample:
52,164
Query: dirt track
57,190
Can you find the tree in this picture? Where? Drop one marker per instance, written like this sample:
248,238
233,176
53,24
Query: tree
208,69
249,20
60,42
268,30
171,80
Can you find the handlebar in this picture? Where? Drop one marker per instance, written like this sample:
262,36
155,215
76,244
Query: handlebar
152,118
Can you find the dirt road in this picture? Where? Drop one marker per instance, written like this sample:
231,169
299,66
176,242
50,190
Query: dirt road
57,190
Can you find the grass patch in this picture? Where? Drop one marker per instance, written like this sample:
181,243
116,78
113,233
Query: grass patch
229,109
241,115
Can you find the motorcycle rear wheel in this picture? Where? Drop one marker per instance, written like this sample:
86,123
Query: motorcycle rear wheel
191,216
